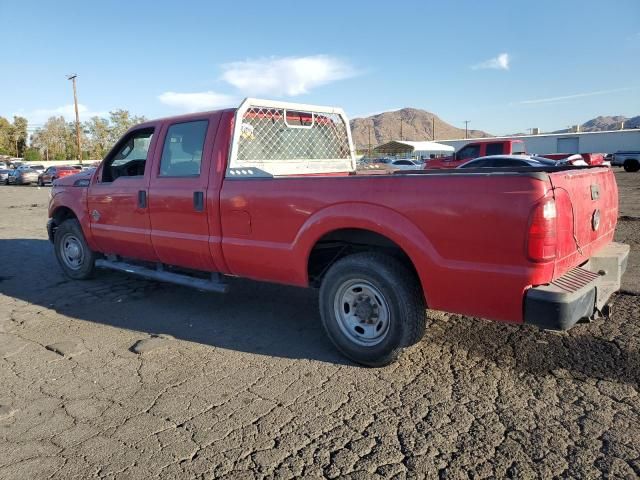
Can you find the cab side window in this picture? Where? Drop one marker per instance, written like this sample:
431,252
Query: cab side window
470,151
182,151
130,157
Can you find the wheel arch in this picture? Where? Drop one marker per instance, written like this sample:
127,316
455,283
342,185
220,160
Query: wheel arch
366,225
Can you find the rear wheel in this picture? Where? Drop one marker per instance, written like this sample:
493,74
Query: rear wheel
40,182
75,257
631,165
372,308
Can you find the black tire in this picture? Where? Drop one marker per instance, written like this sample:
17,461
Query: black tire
631,165
393,288
40,183
68,237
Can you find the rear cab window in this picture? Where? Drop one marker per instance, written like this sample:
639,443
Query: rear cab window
495,148
182,150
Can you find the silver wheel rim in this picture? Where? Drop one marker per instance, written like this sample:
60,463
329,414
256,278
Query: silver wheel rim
71,251
362,312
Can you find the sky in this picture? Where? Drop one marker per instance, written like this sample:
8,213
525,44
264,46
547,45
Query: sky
505,66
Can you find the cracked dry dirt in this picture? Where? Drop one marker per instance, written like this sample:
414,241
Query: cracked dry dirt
247,385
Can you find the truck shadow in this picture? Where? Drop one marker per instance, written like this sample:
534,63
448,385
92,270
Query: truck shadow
600,351
252,317
282,321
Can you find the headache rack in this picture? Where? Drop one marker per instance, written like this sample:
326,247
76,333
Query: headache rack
272,138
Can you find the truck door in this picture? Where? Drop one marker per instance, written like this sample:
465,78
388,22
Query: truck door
117,197
178,200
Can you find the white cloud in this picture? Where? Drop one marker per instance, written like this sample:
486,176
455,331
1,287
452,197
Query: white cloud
41,115
287,76
197,101
570,97
501,62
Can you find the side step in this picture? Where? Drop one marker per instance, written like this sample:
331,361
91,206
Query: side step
214,285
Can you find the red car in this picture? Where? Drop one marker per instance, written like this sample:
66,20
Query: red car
267,191
53,173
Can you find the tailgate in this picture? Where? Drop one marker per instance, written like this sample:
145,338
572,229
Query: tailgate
587,209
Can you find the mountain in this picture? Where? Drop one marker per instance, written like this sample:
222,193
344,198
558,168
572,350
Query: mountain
416,125
607,122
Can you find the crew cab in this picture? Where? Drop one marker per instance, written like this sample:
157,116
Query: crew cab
478,149
268,191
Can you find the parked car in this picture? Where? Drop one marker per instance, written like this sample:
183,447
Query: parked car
629,160
504,161
4,174
53,173
473,150
245,192
37,168
404,164
390,163
22,176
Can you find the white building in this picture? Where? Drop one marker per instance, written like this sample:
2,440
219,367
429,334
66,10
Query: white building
582,142
405,148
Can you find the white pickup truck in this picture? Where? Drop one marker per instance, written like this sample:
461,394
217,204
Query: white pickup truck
629,160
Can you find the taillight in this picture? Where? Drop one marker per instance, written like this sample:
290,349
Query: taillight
541,239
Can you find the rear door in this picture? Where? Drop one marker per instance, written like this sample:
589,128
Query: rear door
117,197
587,212
178,200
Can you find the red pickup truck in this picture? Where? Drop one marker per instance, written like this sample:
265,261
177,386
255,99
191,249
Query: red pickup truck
267,191
476,150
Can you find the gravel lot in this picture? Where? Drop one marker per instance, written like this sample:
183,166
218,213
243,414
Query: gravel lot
120,377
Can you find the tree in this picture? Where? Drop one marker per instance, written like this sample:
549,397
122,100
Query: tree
56,139
5,136
32,155
99,133
121,121
19,135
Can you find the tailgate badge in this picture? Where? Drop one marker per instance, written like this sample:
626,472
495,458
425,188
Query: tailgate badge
595,220
595,191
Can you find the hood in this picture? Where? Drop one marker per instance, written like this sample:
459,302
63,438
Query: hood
70,180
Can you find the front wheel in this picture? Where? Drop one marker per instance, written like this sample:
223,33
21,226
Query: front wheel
372,308
75,257
40,183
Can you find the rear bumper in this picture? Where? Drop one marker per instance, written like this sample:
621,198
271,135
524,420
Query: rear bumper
581,293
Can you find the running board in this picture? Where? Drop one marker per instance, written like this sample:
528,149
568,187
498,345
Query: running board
213,285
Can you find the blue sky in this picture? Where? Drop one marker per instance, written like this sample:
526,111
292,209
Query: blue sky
505,66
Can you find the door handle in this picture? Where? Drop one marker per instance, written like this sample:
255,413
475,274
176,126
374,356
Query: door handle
198,201
142,199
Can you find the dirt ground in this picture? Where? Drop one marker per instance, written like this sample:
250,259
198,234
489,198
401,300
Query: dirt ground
124,378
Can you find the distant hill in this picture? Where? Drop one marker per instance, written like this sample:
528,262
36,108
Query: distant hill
607,122
416,125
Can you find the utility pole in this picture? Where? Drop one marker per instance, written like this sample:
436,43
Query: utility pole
401,138
369,141
72,77
433,128
466,128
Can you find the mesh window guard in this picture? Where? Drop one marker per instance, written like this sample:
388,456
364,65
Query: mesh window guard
278,138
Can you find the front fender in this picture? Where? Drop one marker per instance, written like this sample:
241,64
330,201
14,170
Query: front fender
74,199
365,216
